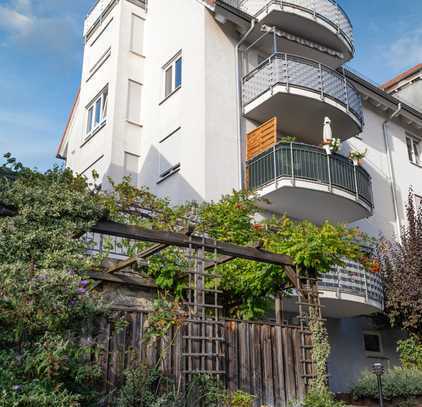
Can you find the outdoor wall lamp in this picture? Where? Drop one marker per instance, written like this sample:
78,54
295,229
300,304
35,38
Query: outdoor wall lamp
378,370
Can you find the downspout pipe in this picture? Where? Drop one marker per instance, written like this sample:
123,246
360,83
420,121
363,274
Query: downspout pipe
391,169
239,103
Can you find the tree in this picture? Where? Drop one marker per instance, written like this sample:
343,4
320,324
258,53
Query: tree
45,301
401,264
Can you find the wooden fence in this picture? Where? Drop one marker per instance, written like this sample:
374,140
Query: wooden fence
260,358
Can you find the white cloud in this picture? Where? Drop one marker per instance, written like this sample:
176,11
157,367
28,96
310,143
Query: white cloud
14,22
406,51
26,28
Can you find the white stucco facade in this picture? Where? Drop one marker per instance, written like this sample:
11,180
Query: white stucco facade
173,121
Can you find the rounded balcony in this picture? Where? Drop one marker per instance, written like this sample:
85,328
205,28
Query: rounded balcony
323,22
302,181
346,292
351,291
301,93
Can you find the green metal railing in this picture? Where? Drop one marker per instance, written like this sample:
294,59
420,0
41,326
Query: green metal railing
297,161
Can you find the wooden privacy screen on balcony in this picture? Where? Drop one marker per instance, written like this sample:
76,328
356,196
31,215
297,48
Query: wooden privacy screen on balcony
261,138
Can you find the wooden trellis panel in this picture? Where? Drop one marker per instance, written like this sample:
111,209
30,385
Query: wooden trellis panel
261,138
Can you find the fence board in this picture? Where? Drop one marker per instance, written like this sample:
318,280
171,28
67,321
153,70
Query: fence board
263,359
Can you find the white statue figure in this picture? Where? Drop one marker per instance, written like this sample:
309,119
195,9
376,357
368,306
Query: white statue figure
327,135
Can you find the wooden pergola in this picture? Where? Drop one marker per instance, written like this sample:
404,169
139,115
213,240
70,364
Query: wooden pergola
204,323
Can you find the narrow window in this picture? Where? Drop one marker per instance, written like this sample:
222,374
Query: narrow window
137,35
131,167
178,73
97,112
134,102
90,117
172,75
169,80
105,104
414,150
169,155
409,148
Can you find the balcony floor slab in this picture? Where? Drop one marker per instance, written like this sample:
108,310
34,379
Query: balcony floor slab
301,113
303,199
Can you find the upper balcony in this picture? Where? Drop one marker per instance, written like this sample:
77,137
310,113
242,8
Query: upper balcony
304,182
301,93
321,22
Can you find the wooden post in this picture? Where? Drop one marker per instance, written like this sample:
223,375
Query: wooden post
279,309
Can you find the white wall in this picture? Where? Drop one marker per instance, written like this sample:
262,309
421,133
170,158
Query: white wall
109,60
167,34
383,222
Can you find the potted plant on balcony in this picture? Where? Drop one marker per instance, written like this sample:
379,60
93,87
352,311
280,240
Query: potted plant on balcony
331,146
288,139
357,156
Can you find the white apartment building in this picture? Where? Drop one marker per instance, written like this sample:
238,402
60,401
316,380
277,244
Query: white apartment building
196,98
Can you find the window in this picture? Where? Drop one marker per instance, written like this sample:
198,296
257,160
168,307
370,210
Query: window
137,35
131,165
414,150
172,75
169,155
97,113
134,102
372,343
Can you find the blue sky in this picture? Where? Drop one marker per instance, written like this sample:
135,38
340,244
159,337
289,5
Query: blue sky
41,52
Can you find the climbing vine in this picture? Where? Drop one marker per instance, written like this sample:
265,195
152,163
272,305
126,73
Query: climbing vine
46,298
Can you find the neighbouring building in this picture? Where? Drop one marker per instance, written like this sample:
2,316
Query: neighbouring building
196,98
407,86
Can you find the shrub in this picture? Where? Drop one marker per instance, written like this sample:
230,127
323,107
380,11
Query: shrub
410,353
318,398
397,383
239,399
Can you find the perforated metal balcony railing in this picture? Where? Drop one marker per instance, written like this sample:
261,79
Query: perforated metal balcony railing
353,279
302,73
327,10
306,162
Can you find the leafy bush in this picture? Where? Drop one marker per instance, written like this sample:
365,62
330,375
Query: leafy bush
45,300
410,353
239,399
319,398
147,387
397,383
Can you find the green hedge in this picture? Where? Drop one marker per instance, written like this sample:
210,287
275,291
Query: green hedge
397,383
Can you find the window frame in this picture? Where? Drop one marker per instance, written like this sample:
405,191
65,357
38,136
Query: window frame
411,142
381,347
96,120
176,72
